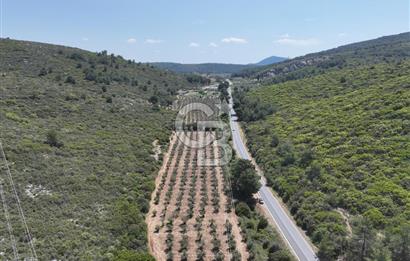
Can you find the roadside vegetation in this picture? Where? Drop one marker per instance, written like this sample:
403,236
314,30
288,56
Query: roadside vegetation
335,146
262,240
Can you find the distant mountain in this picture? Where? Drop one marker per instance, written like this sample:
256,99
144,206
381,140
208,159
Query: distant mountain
271,60
215,68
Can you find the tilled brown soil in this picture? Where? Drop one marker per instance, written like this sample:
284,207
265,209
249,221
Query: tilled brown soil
191,216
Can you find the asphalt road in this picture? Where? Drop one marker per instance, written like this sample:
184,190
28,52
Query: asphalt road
287,227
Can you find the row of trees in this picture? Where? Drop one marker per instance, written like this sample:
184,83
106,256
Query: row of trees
185,183
198,79
261,241
223,90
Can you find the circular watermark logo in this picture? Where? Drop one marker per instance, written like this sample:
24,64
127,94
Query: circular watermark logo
206,118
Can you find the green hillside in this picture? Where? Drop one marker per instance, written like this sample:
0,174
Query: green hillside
336,147
77,128
217,68
204,68
383,49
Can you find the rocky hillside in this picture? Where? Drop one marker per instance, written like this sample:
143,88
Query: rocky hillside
384,49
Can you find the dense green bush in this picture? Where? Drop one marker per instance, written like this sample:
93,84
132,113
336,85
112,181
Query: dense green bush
70,79
197,79
126,255
53,140
281,255
245,180
153,99
262,240
251,109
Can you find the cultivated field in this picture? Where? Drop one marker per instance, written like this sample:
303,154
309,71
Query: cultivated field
191,215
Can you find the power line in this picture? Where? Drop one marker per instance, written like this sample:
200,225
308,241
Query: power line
9,227
20,209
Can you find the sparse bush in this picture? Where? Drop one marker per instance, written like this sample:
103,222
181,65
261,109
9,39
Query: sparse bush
42,72
153,99
70,80
52,139
242,209
281,255
263,223
58,78
274,141
90,75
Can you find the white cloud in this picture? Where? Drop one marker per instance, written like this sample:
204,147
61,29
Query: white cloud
193,44
153,41
234,40
85,39
212,44
297,42
284,35
341,35
131,41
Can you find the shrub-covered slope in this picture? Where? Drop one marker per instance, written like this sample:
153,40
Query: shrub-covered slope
211,68
77,128
384,49
336,147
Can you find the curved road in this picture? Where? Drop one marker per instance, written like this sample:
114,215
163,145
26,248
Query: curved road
287,227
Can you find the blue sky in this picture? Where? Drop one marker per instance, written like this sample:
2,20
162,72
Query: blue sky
231,31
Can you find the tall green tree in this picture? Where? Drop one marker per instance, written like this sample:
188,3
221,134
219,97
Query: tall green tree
245,180
400,243
363,238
